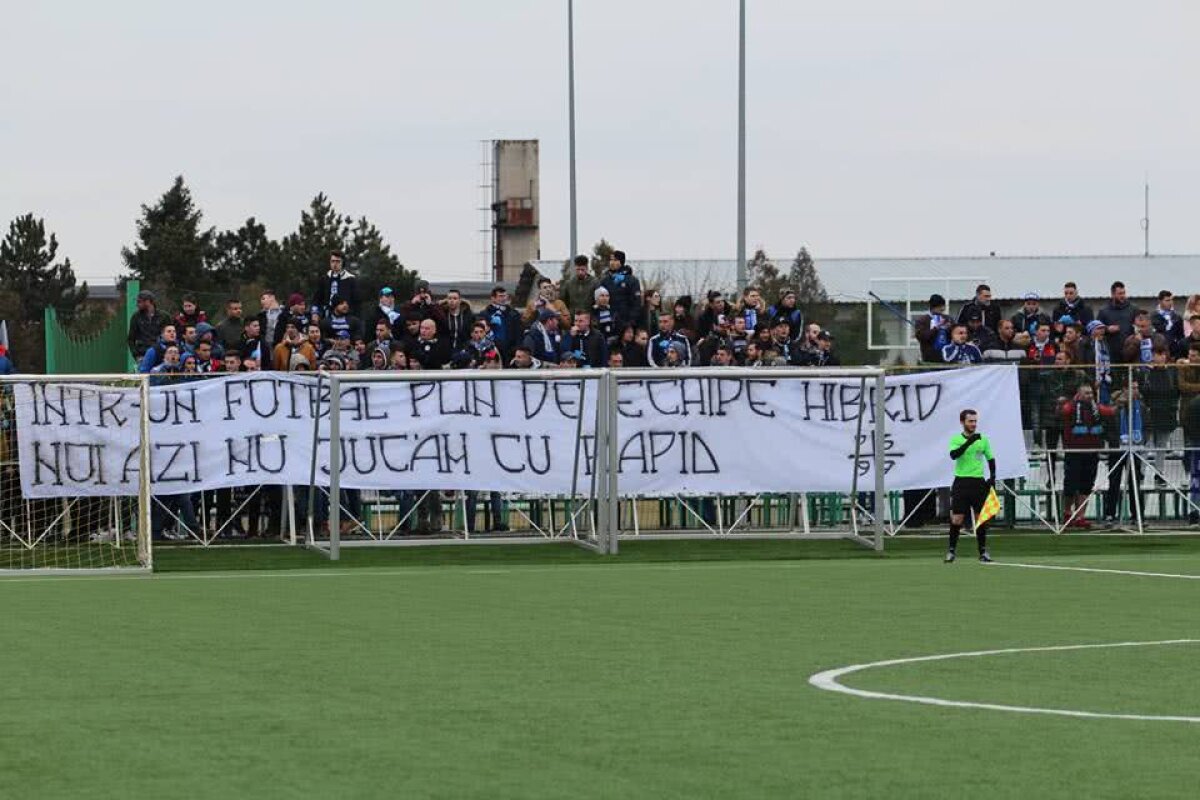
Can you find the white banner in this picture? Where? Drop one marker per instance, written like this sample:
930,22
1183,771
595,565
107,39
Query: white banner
704,436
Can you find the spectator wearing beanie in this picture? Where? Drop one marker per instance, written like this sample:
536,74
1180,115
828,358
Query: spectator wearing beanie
1030,316
297,311
386,311
624,289
422,306
543,340
788,310
604,320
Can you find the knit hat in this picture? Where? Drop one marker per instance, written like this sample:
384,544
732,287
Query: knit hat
295,299
600,290
1094,326
297,361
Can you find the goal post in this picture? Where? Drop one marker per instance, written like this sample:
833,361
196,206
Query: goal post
867,456
63,510
479,419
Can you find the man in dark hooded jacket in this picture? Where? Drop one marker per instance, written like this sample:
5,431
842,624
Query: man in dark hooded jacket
624,289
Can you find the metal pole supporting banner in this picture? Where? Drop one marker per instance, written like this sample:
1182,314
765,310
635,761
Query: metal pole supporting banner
144,530
612,461
880,445
335,467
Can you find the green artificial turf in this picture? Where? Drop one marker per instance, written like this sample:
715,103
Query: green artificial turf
676,669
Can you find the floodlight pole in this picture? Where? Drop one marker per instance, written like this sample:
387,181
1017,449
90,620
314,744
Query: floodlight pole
571,122
741,169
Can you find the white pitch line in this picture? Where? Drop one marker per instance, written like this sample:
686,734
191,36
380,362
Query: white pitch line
443,569
1059,567
828,681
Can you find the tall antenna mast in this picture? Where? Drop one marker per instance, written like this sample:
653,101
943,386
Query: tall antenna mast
1146,216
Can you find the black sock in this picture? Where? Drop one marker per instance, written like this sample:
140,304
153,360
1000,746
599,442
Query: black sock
954,531
981,538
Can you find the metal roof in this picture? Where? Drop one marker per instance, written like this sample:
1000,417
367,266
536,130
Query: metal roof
848,280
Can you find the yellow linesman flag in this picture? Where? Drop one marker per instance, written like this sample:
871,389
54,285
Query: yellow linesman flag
991,507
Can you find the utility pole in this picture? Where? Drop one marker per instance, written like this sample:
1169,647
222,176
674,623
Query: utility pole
571,120
741,169
1146,217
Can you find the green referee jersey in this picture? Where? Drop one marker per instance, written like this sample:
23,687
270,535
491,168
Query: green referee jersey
971,463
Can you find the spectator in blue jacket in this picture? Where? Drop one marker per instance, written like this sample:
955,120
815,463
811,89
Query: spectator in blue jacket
786,309
543,340
960,351
154,355
505,322
660,345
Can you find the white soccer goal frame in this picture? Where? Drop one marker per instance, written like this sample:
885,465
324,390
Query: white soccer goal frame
607,493
604,480
878,526
143,498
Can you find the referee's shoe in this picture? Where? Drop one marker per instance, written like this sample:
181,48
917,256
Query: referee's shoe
949,559
985,557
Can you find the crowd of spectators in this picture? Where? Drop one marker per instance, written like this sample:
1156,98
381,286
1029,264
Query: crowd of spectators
583,321
1111,377
1113,374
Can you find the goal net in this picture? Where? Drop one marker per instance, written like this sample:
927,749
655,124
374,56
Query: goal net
66,503
593,456
480,456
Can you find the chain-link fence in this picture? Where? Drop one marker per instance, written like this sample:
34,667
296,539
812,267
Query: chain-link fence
1109,446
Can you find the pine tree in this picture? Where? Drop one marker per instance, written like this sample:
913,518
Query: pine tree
29,269
601,253
372,260
173,251
304,254
803,278
762,274
246,256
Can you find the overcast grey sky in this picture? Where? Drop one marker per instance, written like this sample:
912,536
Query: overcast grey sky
875,127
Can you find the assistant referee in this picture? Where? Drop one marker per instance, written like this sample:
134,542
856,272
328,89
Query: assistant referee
969,449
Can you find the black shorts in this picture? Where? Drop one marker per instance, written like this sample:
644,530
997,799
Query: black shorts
1079,473
968,495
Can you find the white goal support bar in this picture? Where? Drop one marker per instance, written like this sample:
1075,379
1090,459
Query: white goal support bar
55,534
